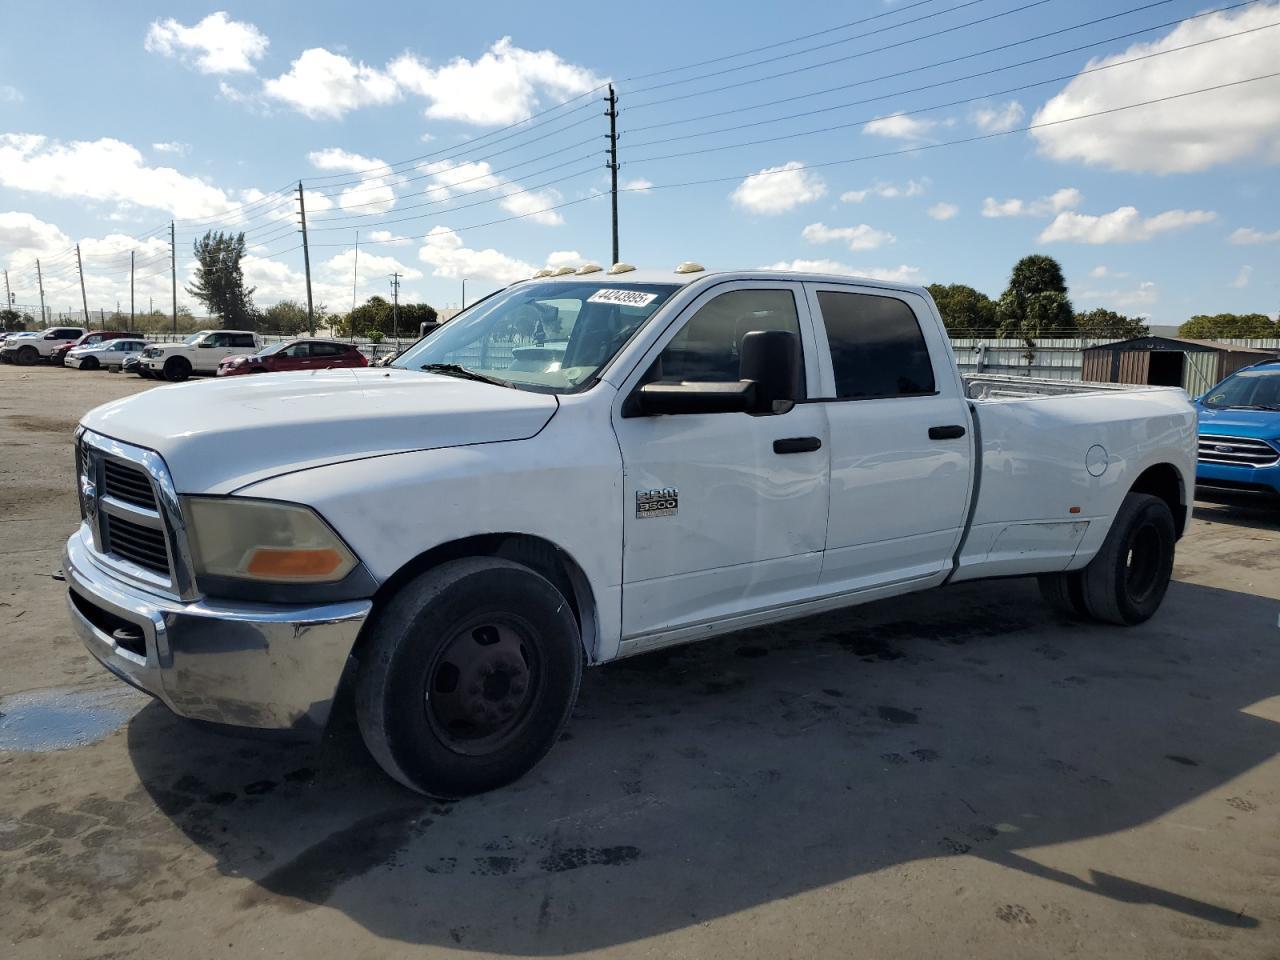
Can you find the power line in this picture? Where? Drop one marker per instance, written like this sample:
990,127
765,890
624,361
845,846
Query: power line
968,56
904,113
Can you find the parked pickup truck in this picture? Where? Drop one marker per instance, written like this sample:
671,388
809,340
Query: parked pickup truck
456,535
29,348
199,353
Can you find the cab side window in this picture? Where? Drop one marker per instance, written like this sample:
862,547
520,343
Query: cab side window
241,340
709,348
218,340
298,351
877,349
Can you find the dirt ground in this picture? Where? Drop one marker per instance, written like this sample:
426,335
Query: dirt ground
953,774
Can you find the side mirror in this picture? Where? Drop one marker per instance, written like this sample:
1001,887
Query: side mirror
204,343
51,336
657,399
771,360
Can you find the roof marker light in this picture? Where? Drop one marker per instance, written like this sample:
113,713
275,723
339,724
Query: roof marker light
540,274
690,267
562,271
621,268
590,268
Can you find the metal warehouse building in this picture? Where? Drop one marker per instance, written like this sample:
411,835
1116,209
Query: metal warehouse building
1194,365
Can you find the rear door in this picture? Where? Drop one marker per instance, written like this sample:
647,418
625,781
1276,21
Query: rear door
901,449
717,520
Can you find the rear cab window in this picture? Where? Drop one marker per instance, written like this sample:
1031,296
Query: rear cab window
878,349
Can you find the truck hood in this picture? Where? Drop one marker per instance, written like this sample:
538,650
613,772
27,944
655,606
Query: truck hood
1229,422
219,435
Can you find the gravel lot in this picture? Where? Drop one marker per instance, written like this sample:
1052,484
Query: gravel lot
954,774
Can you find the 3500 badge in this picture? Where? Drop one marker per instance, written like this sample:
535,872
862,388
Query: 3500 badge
657,503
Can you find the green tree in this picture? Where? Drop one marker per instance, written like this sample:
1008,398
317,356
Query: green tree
1228,325
12,320
288,317
1035,304
376,314
965,311
219,282
1102,324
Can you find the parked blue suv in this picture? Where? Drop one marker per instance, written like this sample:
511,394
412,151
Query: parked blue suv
1240,431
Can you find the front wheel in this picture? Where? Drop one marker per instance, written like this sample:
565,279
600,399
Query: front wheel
468,677
27,356
89,363
177,369
1127,579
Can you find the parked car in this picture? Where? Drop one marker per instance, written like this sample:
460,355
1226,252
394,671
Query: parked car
1240,431
199,353
295,355
132,363
711,452
29,348
111,353
98,336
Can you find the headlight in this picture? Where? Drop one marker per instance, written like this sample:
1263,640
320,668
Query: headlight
264,541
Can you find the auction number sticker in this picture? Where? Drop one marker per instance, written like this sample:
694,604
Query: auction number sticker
624,298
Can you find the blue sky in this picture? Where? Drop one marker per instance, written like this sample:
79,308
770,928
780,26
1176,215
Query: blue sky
113,120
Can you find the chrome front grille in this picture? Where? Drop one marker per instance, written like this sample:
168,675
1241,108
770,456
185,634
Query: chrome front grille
128,502
1237,451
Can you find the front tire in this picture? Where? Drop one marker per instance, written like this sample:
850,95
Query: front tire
177,369
468,677
1127,579
27,356
89,363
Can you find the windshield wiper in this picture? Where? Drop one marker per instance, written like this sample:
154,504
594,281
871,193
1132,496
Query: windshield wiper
456,370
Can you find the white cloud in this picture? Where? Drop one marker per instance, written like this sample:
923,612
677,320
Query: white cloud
106,170
1101,271
999,119
324,84
25,235
1183,135
1123,225
1248,235
861,237
1145,292
448,177
443,250
217,43
387,238
943,211
638,185
779,189
1242,278
1068,198
899,274
9,94
504,85
173,147
564,258
373,194
343,264
900,127
912,188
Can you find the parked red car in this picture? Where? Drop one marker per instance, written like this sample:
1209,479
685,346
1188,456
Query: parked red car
59,356
295,355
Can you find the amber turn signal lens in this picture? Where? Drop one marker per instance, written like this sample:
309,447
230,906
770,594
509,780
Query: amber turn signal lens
270,562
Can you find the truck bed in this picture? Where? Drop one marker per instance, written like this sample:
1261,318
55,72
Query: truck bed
1001,387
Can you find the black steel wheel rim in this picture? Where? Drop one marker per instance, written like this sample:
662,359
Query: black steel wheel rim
1142,562
481,686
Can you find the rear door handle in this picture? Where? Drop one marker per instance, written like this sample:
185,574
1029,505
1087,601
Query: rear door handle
797,445
951,432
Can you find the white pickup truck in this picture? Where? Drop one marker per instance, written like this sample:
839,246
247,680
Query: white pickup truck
199,353
582,467
28,348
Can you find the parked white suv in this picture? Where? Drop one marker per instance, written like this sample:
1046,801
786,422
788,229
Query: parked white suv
199,353
584,467
27,348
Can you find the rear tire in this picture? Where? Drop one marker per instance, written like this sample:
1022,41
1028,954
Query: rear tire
1127,580
177,369
468,677
27,356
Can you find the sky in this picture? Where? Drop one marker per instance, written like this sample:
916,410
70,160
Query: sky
916,140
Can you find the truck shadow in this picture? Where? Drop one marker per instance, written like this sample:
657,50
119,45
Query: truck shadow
1250,511
711,779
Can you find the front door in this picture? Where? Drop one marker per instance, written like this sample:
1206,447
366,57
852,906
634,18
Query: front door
901,446
717,520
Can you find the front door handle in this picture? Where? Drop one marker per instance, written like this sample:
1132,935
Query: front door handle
950,432
797,445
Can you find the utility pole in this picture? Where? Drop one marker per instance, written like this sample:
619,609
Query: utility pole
395,307
306,262
131,291
40,282
612,114
355,274
84,302
173,274
464,293
8,294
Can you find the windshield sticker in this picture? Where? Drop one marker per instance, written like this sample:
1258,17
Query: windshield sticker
625,298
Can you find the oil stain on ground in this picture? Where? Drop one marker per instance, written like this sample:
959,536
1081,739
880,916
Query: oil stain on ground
60,718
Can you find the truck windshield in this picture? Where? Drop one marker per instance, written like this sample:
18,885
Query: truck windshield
551,337
1248,389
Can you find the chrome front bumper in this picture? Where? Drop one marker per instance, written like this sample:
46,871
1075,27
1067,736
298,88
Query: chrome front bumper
265,666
